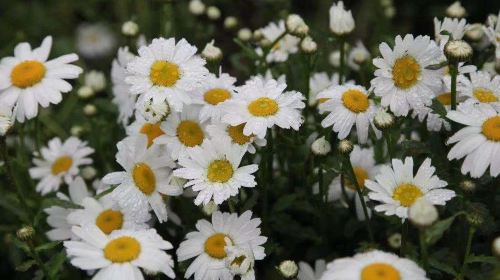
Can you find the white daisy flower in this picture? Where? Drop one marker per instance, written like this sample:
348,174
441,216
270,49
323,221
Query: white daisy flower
479,140
120,254
397,188
261,104
402,79
285,46
95,41
59,163
481,87
182,131
208,244
357,56
107,215
321,81
269,76
306,272
434,122
456,27
57,215
234,134
145,179
6,120
141,126
28,79
492,31
373,265
122,98
167,71
213,170
341,20
213,93
348,105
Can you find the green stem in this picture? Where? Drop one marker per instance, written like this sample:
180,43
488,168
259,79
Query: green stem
344,192
342,61
38,260
404,238
453,73
388,139
323,193
471,232
352,177
423,249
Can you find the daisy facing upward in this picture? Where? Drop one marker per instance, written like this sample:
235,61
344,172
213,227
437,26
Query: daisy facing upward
27,79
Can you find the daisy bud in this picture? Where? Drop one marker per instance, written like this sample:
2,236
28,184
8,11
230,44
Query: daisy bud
395,240
474,32
211,52
210,208
389,12
288,269
334,58
468,186
496,247
264,42
89,172
213,13
154,112
345,146
456,10
321,147
476,214
383,119
244,34
230,22
196,7
308,45
257,35
422,213
95,80
25,233
85,92
130,28
296,26
341,20
457,51
90,110
6,121
76,130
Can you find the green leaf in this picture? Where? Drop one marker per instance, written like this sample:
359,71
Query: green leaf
109,190
481,259
436,231
247,50
25,265
437,66
442,267
55,264
438,108
52,126
11,203
52,201
47,246
284,202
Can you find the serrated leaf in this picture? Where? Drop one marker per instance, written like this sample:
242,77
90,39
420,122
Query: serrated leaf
47,246
436,231
482,259
442,267
25,266
438,108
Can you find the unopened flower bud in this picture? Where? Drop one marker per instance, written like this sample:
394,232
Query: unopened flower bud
395,240
85,92
422,213
244,34
210,208
95,80
257,34
25,233
130,28
476,214
456,10
89,172
383,119
230,22
76,130
474,32
196,7
90,110
334,58
308,45
345,146
213,13
458,51
468,186
296,26
341,20
496,247
211,52
288,269
321,146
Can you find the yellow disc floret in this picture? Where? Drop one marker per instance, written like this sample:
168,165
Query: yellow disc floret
380,271
61,164
152,131
27,73
405,72
190,133
215,246
263,107
144,178
164,73
406,194
216,96
220,171
236,134
491,129
122,249
109,220
355,100
485,95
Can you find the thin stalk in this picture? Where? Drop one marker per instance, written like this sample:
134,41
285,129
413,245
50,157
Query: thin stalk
344,192
423,249
38,260
388,139
404,238
342,61
453,73
471,232
352,176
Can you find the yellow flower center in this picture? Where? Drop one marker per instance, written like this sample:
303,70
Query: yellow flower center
151,131
380,271
405,72
215,246
263,107
109,220
406,194
122,249
491,128
236,134
361,176
355,100
216,96
61,164
444,98
220,171
144,178
27,73
164,73
189,133
485,95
